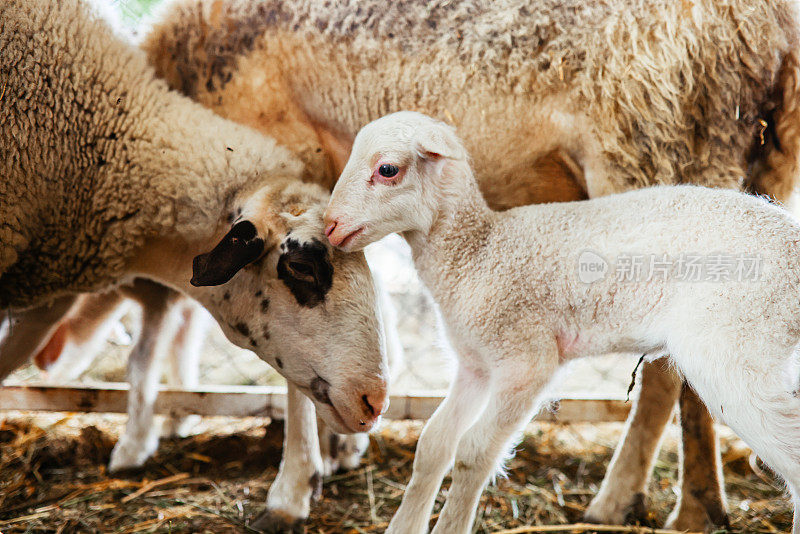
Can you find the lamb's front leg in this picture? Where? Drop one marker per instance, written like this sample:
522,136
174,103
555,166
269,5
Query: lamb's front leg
437,446
299,479
516,386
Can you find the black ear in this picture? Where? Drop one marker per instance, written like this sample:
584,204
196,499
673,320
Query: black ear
238,248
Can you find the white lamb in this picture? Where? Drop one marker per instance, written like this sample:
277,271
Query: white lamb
516,305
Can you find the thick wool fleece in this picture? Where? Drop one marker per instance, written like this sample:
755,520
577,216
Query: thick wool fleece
96,155
636,93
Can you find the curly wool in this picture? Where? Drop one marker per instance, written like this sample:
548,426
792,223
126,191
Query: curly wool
97,154
639,93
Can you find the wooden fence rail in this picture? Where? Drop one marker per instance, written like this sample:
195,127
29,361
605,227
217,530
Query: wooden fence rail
267,401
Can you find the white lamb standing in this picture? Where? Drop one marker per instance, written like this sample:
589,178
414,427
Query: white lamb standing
515,307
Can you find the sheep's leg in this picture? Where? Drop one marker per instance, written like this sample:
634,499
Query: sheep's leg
184,361
436,448
481,452
622,493
23,333
702,496
299,479
140,439
81,336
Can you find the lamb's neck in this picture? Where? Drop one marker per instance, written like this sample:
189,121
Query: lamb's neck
461,220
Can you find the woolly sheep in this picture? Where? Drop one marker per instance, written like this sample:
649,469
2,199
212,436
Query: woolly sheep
109,176
556,100
517,302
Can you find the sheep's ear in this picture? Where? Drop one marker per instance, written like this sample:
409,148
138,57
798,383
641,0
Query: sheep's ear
240,246
436,143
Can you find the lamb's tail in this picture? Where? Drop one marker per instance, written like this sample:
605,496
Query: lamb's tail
775,171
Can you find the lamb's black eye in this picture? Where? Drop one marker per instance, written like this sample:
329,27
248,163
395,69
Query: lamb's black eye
388,171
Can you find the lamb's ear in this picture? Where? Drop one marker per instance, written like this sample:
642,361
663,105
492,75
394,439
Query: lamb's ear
438,142
240,246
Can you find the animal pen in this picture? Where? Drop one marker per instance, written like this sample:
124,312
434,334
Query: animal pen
57,438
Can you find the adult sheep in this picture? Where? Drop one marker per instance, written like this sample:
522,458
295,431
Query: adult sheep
109,176
556,100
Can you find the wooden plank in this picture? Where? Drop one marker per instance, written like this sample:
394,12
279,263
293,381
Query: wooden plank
267,401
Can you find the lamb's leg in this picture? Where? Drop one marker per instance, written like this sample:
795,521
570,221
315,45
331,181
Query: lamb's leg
436,448
622,493
140,439
184,361
24,333
515,396
299,479
702,495
81,336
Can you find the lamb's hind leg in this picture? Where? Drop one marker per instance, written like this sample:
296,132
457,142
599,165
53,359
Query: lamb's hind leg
746,384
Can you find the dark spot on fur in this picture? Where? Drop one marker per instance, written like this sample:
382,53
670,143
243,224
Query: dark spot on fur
229,149
258,293
112,136
230,217
214,54
264,305
253,342
306,270
319,149
319,388
243,329
266,333
101,161
333,445
316,485
226,296
279,362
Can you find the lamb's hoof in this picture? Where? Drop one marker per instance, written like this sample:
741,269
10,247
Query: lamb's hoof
618,512
277,522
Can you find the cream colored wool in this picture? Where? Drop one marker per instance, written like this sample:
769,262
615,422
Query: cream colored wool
97,155
631,93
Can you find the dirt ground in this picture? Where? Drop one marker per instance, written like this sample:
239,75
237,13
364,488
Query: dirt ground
53,479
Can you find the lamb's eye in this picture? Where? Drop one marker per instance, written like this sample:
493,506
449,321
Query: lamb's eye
388,171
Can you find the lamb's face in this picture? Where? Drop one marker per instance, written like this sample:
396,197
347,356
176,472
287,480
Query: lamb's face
390,181
306,309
